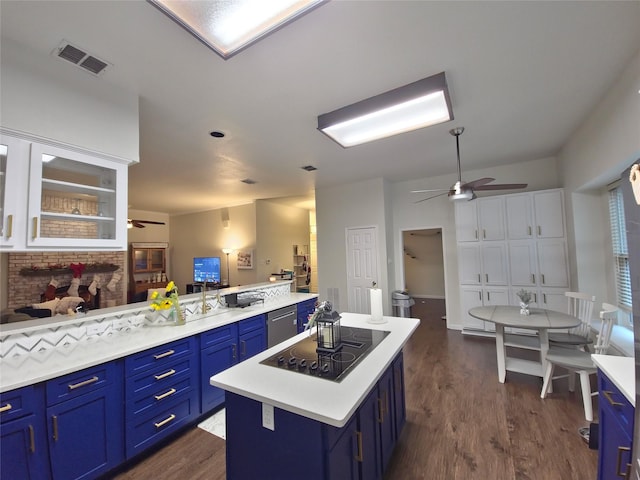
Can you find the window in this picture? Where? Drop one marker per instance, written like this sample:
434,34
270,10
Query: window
620,250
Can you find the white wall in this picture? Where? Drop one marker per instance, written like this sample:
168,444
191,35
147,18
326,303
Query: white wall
278,228
606,143
47,97
361,204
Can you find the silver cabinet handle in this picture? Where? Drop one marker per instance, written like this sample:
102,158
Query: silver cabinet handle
83,384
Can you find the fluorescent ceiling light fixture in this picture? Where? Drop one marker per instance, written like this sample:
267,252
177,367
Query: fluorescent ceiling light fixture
229,26
417,105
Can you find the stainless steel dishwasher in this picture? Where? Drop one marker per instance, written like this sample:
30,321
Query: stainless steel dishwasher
281,325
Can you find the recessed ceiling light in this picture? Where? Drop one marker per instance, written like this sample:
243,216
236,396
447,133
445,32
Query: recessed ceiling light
230,26
217,134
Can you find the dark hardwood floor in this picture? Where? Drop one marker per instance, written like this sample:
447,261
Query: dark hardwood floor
461,422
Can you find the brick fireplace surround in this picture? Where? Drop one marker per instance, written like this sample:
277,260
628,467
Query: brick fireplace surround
25,290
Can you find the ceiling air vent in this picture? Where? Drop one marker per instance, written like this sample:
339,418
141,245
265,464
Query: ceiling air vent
248,181
309,168
80,58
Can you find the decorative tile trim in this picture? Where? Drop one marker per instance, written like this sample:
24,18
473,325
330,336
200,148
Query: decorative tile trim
68,334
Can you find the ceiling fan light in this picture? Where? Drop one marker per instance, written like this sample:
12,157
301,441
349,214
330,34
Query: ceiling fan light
418,105
463,195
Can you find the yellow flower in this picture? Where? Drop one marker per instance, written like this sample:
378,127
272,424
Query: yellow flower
154,295
170,286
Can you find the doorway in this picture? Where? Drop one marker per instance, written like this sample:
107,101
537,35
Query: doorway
423,270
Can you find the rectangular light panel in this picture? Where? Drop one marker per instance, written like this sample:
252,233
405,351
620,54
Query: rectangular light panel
229,26
417,105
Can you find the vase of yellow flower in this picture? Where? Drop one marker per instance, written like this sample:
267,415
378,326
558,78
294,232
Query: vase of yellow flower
169,302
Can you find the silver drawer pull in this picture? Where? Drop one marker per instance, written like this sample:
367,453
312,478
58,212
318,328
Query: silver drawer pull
165,395
168,353
165,374
170,418
83,384
5,408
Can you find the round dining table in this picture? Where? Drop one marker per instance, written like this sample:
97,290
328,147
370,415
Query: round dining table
539,319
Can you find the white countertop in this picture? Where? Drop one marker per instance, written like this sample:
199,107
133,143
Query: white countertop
621,371
37,366
326,401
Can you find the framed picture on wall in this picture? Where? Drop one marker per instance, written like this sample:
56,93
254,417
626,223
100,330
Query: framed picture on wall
245,259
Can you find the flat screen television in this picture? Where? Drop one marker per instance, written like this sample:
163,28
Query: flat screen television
206,269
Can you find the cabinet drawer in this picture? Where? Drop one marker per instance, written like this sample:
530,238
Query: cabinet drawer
613,400
159,356
145,430
78,383
218,335
148,383
250,324
20,402
158,396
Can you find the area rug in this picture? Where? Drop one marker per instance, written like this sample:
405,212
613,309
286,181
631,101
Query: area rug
215,424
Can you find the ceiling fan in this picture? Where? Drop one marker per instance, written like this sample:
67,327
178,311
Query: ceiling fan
466,190
139,223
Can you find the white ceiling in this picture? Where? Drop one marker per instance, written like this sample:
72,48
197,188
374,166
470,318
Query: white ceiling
522,76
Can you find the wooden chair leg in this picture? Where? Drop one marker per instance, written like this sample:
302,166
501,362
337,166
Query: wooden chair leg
548,375
585,386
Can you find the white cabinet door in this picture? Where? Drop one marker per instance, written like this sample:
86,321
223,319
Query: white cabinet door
491,218
549,214
494,296
471,297
553,299
466,222
76,200
469,264
494,264
14,172
522,263
552,263
519,216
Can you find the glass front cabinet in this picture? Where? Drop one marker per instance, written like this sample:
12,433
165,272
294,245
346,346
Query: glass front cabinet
75,200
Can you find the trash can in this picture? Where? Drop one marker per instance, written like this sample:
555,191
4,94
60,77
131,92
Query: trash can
401,303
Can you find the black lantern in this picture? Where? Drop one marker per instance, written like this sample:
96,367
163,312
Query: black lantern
328,332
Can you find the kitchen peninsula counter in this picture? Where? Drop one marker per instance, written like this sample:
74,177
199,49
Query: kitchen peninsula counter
70,345
326,401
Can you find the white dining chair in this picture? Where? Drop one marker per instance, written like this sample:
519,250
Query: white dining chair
579,305
579,361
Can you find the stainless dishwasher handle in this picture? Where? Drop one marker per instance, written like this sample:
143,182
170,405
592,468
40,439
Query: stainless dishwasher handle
280,317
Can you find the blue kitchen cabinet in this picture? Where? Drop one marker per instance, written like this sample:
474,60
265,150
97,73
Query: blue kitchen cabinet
222,348
616,416
356,451
305,309
219,351
85,422
252,336
161,393
23,444
399,401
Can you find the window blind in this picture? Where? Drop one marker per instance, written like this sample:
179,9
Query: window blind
620,250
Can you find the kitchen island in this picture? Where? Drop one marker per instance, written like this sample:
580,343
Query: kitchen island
302,426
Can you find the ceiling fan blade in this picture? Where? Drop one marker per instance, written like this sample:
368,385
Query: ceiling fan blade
501,186
432,196
151,222
431,190
479,182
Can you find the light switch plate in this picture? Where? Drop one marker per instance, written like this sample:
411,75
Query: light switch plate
267,417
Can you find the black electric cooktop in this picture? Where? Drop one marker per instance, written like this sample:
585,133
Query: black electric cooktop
303,358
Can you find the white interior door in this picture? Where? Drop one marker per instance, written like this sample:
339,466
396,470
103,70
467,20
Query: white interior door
362,267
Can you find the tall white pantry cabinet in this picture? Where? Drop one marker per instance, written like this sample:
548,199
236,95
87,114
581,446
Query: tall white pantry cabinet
507,243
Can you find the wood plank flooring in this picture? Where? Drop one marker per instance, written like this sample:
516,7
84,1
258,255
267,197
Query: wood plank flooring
461,422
